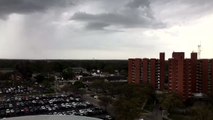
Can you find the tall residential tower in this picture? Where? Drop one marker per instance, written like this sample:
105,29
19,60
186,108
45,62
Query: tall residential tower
147,71
186,76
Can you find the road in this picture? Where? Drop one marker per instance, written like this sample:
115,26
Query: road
156,114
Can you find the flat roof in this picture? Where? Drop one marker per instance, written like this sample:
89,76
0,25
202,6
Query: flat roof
52,117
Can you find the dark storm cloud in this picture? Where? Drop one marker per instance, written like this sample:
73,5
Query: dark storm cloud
134,14
28,6
105,19
111,18
96,25
139,3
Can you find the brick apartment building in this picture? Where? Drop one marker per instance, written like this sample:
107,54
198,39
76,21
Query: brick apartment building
186,77
147,71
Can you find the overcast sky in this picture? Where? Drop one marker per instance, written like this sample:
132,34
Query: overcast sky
104,29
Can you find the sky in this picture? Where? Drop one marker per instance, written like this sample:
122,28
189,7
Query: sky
104,29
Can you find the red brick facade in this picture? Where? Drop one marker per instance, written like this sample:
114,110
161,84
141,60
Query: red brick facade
148,71
185,76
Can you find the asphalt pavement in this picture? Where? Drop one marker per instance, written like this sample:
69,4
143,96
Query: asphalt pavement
156,114
91,99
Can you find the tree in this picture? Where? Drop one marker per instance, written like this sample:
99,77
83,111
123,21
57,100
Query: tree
127,109
40,78
25,69
202,113
131,101
78,85
77,88
109,69
99,85
68,73
67,88
105,101
45,80
171,101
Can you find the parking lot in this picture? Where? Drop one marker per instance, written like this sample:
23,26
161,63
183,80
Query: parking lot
49,105
22,90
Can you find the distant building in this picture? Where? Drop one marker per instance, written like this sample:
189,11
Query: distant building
10,73
6,70
186,77
79,70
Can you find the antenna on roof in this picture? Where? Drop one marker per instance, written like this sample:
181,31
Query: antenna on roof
199,50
